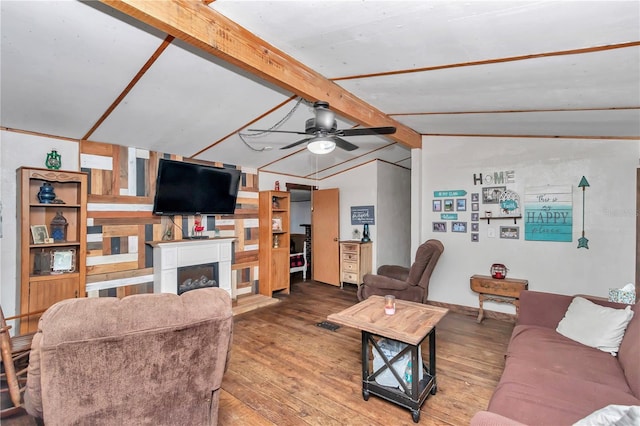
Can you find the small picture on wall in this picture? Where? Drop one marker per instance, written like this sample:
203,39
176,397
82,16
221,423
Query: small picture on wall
475,227
458,226
475,217
461,205
437,205
475,197
448,205
510,232
439,226
475,237
475,207
491,195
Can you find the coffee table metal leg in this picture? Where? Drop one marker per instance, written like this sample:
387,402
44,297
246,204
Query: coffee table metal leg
365,365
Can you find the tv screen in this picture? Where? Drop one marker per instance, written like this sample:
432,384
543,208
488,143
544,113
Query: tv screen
188,188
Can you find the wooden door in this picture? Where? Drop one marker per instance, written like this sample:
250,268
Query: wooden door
325,230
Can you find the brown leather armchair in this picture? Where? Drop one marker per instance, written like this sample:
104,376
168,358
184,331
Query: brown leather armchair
405,283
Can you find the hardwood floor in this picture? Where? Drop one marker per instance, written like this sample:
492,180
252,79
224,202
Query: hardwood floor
285,370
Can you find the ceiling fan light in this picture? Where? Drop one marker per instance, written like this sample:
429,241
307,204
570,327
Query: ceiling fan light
322,145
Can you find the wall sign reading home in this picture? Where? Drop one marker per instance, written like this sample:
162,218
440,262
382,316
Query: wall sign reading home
548,214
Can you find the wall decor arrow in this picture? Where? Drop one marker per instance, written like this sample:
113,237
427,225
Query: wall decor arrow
583,242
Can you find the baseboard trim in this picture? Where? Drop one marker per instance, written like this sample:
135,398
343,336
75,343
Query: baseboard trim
473,312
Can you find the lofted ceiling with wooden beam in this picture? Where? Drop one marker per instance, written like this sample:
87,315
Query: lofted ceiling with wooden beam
191,77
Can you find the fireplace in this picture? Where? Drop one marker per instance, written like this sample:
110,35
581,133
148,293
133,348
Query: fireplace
171,256
197,276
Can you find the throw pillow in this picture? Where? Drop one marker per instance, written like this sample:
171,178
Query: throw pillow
593,325
612,415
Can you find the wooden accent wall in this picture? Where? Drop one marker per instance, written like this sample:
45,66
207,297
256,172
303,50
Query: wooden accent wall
120,222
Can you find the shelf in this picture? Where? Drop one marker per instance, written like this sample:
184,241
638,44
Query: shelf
53,245
489,219
56,205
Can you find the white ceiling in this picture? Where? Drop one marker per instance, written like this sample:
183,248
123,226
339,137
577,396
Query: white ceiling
478,68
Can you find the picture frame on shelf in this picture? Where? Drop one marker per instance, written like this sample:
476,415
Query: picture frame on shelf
40,234
276,224
63,261
510,232
439,226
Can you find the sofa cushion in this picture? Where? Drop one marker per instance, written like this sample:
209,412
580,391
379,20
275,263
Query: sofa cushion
593,325
534,395
544,348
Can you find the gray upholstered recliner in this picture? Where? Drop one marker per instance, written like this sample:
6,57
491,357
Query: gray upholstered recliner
146,359
405,283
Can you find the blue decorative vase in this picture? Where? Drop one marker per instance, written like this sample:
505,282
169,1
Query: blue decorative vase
46,194
365,234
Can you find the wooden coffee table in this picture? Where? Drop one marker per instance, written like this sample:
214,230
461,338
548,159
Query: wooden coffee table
411,324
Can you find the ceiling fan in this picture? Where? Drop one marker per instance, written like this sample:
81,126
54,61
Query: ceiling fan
323,132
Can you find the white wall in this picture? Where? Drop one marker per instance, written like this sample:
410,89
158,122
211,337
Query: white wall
17,150
393,209
300,214
448,163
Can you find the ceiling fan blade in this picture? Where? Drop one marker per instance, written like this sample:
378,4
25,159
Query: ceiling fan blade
296,143
276,131
367,131
341,143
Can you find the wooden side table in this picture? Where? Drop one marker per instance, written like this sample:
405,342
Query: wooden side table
505,290
355,261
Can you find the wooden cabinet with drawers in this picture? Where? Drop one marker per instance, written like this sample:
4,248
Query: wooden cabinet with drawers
355,261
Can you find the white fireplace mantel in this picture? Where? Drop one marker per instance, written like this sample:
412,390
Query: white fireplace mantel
168,256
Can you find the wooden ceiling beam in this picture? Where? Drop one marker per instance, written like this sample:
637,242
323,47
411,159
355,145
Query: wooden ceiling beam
197,24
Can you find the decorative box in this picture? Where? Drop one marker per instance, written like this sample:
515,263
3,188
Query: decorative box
622,296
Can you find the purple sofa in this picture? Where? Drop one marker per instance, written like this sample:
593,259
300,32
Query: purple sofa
550,379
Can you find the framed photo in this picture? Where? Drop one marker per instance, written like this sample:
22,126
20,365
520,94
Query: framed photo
475,227
448,205
63,261
458,226
439,226
491,194
510,232
475,207
437,205
475,217
39,233
475,197
461,204
475,237
276,224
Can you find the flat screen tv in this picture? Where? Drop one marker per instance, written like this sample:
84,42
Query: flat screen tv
188,188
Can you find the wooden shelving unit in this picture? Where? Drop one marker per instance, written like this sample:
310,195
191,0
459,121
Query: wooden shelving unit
275,234
50,271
